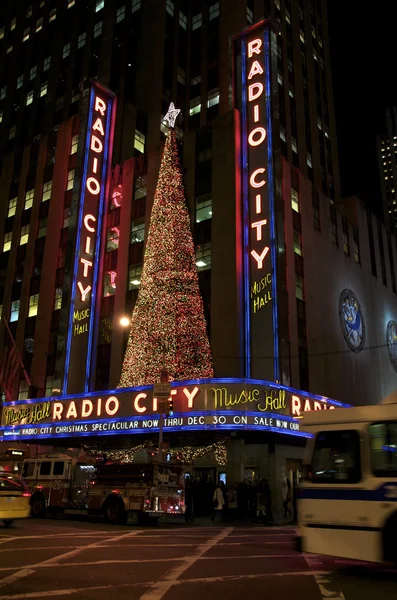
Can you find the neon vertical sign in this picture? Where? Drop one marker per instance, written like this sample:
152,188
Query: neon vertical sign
259,229
86,267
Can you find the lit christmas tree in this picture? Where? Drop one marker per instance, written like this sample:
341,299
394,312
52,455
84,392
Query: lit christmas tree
168,328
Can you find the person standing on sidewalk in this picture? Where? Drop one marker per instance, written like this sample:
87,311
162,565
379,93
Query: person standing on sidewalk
218,503
268,496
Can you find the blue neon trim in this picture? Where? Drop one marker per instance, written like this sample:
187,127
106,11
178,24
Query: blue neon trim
246,264
97,249
77,247
272,215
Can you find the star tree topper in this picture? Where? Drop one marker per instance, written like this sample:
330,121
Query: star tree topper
171,115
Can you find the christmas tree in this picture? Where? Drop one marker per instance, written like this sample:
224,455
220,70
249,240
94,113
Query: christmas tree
168,328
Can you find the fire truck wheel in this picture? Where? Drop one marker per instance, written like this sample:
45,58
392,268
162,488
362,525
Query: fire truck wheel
7,522
114,511
38,506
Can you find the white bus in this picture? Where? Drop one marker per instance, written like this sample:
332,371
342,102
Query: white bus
347,500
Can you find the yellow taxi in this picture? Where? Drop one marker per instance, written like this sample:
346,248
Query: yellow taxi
14,498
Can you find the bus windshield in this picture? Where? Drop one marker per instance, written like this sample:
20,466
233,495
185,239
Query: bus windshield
336,457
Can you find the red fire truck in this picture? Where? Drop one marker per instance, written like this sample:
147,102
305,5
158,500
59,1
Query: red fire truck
59,483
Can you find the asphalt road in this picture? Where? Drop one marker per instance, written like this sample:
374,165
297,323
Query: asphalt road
74,560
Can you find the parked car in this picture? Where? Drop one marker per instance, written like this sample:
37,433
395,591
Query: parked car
14,498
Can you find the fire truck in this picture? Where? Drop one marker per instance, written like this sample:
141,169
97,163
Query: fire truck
137,492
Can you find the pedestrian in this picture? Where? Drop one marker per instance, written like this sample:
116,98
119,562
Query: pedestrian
217,503
189,516
261,503
268,495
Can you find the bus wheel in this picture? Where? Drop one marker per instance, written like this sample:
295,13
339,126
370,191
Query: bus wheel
114,511
38,509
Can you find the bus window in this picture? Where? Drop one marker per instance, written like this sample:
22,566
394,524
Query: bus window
336,457
383,439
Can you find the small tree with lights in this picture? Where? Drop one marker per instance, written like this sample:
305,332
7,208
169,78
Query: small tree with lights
168,327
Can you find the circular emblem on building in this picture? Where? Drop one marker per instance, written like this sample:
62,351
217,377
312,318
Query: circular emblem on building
351,321
391,341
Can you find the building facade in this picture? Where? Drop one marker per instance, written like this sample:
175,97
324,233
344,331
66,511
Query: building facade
386,146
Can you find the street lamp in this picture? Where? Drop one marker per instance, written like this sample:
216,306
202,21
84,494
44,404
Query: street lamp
125,322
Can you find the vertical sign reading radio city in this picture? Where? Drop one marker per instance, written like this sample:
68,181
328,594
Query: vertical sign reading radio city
86,269
259,228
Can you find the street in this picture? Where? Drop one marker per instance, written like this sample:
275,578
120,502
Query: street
45,559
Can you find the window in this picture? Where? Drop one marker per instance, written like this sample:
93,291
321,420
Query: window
250,15
3,92
2,31
120,14
53,14
214,11
112,239
99,5
14,311
297,242
33,73
7,241
13,24
294,200
29,199
203,208
10,49
181,76
12,206
1,116
47,187
169,7
12,131
26,34
45,467
294,145
23,393
299,286
98,29
19,82
58,467
66,50
383,440
309,160
69,185
336,457
136,5
67,213
39,24
42,228
182,20
59,103
52,386
280,78
75,144
58,298
43,89
81,40
195,80
139,141
33,305
109,283
282,133
47,63
71,3
24,235
203,257
134,277
195,106
196,21
137,232
213,97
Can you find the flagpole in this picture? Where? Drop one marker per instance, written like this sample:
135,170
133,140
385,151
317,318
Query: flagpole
18,354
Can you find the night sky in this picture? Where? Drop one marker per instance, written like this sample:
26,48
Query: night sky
363,52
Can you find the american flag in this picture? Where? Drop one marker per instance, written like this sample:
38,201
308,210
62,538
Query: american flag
10,365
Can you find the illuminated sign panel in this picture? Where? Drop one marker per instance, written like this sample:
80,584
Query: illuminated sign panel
203,404
260,285
93,194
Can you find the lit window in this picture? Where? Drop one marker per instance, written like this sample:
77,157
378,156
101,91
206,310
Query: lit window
98,29
75,144
7,241
43,89
19,82
314,54
213,97
120,14
280,78
29,98
181,76
136,5
214,11
58,298
13,24
169,7
2,31
47,63
47,187
81,40
294,200
71,3
299,287
12,206
346,243
1,116
39,24
53,14
12,131
109,283
195,80
42,228
293,145
203,208
99,5
24,235
29,11
67,213
139,141
66,50
33,73
287,17
29,199
14,311
10,49
33,305
195,106
282,133
112,239
26,34
250,15
313,31
309,160
76,97
291,90
302,36
182,20
137,232
203,257
196,21
134,277
70,183
297,242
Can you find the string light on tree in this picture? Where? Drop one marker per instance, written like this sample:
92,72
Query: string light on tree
168,328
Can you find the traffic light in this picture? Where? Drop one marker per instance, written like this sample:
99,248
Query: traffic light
170,406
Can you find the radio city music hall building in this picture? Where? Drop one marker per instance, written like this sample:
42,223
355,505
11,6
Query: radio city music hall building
298,285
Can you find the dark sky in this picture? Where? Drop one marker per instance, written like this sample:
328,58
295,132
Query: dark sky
364,53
